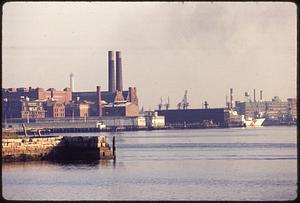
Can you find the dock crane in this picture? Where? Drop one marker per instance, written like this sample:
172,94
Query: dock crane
161,104
184,103
167,104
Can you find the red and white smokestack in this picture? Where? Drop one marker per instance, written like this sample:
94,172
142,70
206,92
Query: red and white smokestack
111,72
119,80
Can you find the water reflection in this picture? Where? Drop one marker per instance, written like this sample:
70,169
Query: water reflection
8,166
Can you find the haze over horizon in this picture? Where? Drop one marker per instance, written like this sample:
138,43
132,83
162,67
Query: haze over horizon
167,47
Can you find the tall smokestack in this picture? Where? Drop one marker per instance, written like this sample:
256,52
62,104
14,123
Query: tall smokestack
72,82
260,95
254,99
119,80
98,101
111,72
231,97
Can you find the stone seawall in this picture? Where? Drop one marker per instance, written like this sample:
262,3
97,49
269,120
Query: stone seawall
56,148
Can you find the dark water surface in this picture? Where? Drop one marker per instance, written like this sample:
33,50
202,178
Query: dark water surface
211,164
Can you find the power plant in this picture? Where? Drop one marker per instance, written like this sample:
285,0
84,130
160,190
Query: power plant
115,101
38,103
70,103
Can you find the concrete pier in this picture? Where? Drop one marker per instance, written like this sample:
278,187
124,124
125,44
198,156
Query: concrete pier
56,148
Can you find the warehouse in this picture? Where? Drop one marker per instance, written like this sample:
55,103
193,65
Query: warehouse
217,117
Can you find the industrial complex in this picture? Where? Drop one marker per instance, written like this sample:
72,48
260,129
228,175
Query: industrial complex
30,103
119,108
236,113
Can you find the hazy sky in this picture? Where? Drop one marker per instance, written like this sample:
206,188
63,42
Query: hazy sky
167,48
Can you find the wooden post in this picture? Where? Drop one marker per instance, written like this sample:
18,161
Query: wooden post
39,132
24,129
114,147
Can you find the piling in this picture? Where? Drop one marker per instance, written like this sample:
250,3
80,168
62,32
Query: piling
24,129
114,147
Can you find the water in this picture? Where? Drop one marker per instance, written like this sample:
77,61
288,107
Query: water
211,164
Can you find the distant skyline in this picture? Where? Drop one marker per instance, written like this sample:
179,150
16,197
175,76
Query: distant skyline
167,47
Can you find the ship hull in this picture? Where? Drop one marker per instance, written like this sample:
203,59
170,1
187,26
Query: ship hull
254,122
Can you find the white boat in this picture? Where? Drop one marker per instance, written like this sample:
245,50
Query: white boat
253,122
100,125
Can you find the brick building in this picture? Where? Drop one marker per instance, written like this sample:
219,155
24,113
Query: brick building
19,102
15,94
32,109
78,104
54,109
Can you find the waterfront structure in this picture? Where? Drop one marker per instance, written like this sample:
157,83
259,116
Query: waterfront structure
153,120
195,117
235,119
57,148
275,109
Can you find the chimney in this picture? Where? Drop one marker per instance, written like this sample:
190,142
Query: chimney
119,81
254,95
111,72
226,101
260,95
132,96
231,98
98,101
72,82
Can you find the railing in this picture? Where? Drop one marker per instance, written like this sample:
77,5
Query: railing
66,119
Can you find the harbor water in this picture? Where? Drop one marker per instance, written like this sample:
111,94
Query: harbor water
197,164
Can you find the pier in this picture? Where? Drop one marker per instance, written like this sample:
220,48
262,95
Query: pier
56,148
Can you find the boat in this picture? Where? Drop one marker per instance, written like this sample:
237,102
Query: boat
253,122
100,125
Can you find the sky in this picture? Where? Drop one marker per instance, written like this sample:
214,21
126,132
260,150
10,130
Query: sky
167,47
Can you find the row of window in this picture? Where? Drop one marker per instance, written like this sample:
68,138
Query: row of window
59,110
59,115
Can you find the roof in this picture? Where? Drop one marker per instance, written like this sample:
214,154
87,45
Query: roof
108,97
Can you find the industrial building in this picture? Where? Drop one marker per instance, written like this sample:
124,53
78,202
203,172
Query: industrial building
33,103
32,109
16,94
195,117
18,103
117,102
54,109
275,109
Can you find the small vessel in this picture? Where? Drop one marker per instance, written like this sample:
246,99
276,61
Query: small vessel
100,125
253,122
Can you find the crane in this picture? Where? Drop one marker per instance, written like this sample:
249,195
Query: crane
184,103
161,104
